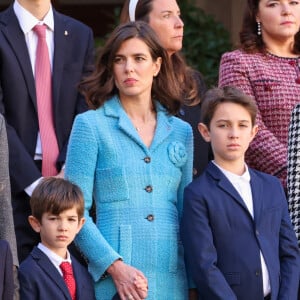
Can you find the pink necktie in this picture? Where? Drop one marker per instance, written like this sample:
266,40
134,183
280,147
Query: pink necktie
44,103
69,279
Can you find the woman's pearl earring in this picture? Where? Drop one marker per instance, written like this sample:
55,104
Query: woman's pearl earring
258,28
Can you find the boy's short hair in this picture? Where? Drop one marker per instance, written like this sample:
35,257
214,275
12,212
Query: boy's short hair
55,195
227,94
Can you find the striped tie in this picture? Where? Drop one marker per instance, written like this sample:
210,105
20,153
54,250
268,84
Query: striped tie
44,104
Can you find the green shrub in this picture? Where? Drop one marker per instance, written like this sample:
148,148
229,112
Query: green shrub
205,40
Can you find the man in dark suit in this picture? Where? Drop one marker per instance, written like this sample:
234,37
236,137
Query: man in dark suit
70,46
238,239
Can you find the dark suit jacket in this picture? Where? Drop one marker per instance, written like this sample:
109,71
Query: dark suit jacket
222,242
39,279
73,58
191,114
6,272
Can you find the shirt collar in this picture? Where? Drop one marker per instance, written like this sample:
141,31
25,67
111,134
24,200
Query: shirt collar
53,256
234,177
27,21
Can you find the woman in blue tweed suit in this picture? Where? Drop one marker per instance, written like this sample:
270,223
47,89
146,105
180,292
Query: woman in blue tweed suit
134,158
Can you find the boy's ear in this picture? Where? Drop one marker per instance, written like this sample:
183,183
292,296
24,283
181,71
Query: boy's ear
254,131
35,223
204,131
80,223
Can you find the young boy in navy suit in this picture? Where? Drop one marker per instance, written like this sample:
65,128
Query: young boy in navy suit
57,208
238,239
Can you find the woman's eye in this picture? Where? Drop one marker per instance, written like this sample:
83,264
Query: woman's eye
118,60
272,4
139,58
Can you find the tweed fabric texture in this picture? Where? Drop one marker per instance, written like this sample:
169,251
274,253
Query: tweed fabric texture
293,180
271,80
7,230
138,193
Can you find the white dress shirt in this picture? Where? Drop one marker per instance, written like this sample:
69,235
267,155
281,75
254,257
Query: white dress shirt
54,258
27,22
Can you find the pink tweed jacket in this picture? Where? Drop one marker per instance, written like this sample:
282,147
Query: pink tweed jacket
274,82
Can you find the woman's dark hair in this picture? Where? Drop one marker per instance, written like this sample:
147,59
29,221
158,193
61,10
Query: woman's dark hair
186,77
100,85
249,39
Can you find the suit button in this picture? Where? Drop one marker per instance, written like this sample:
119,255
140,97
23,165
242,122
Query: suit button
148,189
147,159
150,218
256,232
257,273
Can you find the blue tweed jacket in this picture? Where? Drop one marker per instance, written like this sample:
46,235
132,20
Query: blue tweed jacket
138,193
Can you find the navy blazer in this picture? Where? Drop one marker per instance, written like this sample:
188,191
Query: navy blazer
39,279
6,272
222,241
73,59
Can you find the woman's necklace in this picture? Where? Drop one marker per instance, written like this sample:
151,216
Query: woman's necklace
146,129
143,126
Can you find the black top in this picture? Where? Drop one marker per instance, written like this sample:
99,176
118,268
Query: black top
191,114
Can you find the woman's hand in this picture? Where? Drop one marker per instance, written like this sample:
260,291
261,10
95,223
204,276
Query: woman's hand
130,283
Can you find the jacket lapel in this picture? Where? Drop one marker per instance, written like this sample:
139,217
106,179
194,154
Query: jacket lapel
43,261
61,37
15,37
164,127
225,185
80,286
126,125
256,188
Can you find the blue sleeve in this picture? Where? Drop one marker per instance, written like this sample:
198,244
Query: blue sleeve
81,163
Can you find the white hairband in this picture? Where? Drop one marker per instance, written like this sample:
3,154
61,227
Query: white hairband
132,7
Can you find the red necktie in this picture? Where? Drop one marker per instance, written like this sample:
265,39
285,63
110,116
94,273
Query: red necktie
43,85
69,279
